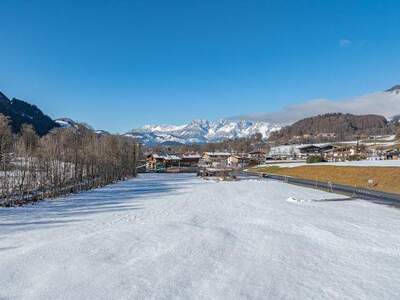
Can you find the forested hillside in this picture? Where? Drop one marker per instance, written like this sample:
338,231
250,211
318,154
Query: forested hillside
334,127
20,112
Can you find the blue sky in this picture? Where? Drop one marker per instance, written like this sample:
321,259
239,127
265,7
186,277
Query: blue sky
122,64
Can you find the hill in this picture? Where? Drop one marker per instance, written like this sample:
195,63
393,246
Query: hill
333,127
20,112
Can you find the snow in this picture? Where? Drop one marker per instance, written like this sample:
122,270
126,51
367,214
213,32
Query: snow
195,155
63,123
295,200
202,131
166,156
162,128
218,153
172,157
357,163
387,137
293,149
164,236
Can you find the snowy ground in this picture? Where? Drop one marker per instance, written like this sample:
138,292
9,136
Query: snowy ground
179,237
360,163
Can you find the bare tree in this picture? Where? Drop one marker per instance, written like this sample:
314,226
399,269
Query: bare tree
63,161
6,145
25,153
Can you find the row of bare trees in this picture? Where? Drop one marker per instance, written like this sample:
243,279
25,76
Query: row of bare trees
63,161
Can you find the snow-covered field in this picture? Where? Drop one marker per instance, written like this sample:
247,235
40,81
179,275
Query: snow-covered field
179,237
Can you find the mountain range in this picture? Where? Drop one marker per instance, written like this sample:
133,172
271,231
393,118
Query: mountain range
385,103
200,131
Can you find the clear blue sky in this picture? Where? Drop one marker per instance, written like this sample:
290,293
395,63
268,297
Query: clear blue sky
122,64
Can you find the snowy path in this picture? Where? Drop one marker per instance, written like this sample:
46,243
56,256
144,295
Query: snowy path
179,237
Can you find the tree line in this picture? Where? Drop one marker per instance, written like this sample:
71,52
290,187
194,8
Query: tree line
63,161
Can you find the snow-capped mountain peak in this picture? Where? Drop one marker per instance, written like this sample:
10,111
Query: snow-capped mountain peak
200,131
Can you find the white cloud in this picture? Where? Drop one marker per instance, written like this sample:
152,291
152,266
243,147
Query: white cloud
344,43
381,103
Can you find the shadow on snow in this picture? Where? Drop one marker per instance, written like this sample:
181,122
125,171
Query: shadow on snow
122,196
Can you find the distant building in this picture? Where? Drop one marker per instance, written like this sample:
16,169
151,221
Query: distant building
238,161
214,159
309,150
157,162
283,152
178,162
190,160
392,155
374,154
326,147
258,155
326,135
341,153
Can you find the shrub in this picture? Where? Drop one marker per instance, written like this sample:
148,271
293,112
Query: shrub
314,159
355,157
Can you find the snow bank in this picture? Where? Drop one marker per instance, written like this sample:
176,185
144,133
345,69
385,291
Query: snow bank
295,200
165,236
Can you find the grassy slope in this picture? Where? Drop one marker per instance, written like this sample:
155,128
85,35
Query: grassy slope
385,178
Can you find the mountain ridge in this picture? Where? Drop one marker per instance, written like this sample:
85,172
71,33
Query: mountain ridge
394,89
21,112
200,132
334,127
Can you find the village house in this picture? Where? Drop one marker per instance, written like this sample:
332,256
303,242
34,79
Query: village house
238,161
328,152
392,155
153,161
258,156
326,135
326,148
190,160
214,159
314,150
179,162
158,162
283,152
340,153
309,150
375,154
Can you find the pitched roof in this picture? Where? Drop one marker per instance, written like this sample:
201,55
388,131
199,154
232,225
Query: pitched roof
217,153
166,156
